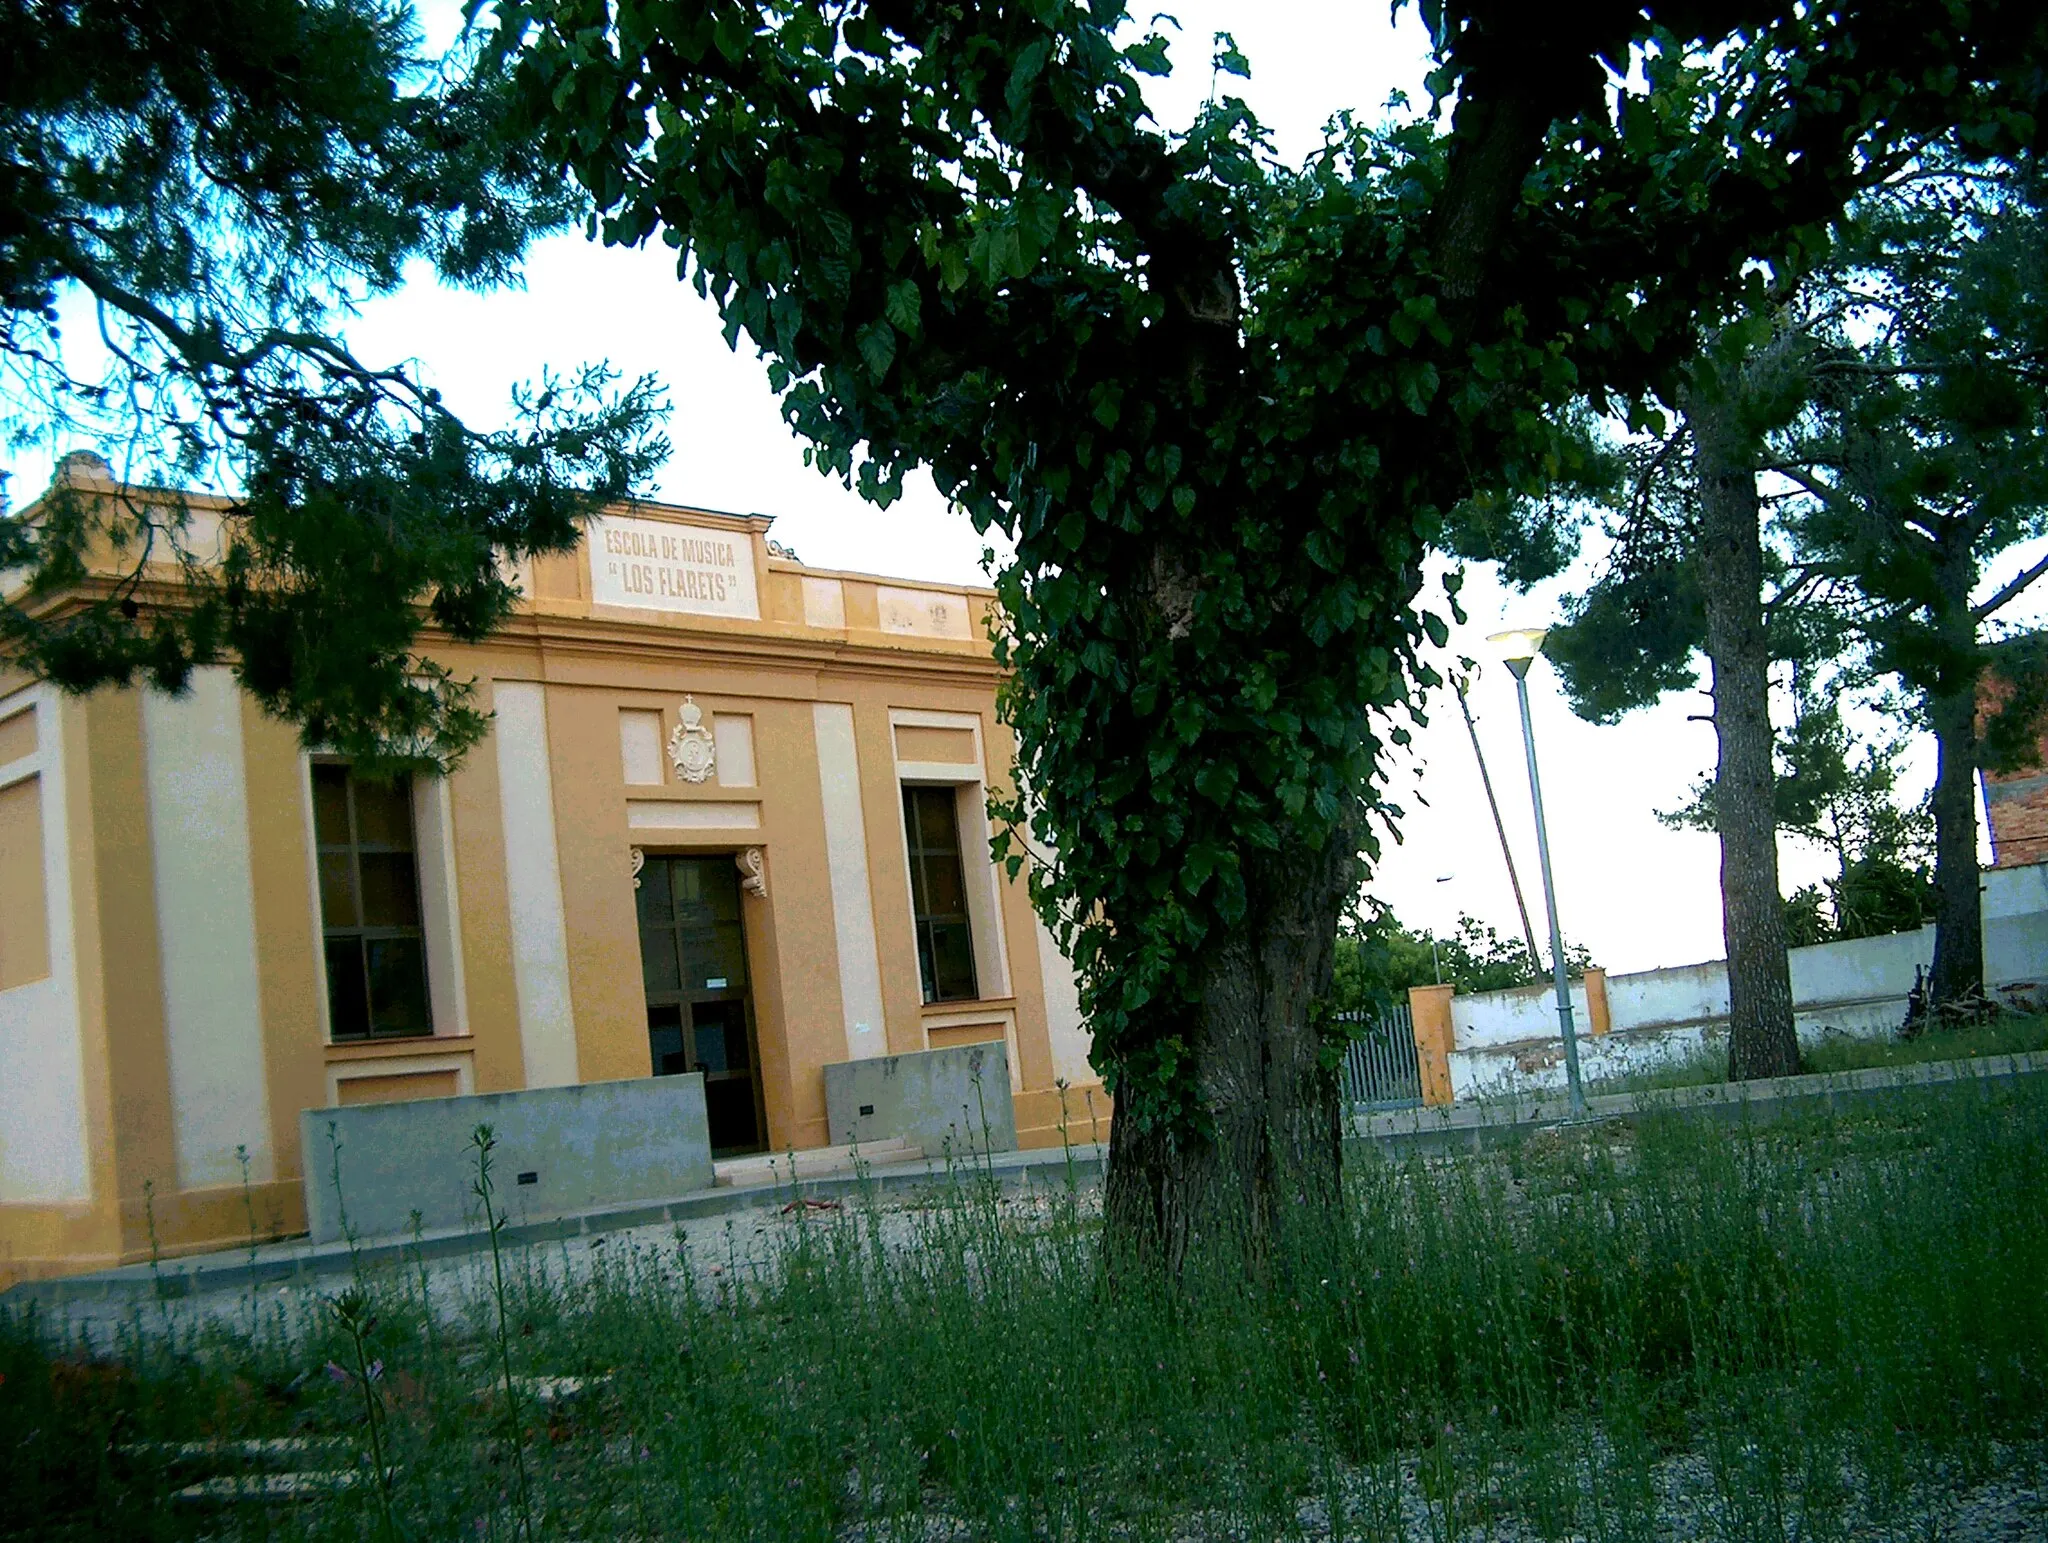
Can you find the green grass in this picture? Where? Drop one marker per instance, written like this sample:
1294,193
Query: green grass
1817,1320
2006,1035
2001,1036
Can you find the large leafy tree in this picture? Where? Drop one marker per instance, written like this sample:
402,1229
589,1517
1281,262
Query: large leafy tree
1220,406
1378,959
214,187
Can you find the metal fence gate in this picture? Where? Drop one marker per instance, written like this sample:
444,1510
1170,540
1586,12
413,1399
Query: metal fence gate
1381,1070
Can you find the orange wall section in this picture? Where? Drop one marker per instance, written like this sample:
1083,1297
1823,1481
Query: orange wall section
131,972
288,971
479,835
597,888
798,944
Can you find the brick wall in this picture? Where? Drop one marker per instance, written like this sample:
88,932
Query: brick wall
2016,803
2018,809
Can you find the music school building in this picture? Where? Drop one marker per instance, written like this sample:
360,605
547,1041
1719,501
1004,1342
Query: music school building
730,818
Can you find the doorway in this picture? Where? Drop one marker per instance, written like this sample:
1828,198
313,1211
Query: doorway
700,1014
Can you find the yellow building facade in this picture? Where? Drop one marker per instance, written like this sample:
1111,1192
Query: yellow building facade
730,818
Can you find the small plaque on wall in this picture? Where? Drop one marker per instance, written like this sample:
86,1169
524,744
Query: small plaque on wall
923,613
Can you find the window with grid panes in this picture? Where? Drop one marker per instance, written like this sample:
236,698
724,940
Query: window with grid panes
369,906
938,895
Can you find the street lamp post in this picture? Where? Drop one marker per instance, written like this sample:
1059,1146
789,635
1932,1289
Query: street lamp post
1519,650
1464,682
1436,963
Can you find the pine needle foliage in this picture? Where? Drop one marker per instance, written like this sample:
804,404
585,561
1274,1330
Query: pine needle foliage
216,187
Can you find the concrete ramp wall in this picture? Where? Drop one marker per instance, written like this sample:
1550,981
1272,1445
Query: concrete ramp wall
559,1150
953,1100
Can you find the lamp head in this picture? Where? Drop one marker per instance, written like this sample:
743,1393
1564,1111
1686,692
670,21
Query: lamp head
1519,647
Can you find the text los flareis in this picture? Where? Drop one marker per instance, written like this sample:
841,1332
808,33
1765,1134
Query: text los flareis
668,567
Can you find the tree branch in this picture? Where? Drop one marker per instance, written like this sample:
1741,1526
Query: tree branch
2009,591
204,353
1793,472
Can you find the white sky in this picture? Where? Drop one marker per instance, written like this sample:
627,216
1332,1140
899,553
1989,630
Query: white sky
1637,894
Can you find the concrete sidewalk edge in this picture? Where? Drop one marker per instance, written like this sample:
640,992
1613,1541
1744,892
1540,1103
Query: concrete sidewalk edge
299,1261
1471,1125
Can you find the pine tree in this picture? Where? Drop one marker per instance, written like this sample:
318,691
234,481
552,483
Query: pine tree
222,183
1926,463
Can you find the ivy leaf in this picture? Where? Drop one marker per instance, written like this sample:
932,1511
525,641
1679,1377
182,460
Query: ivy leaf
902,308
1227,60
1023,73
878,347
1418,387
1149,57
1217,781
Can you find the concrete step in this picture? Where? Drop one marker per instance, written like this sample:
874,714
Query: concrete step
269,1488
545,1391
219,1452
813,1162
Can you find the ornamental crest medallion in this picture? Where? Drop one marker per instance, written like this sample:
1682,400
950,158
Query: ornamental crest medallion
691,747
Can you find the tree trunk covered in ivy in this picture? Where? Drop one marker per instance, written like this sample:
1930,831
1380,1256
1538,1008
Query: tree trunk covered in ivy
1958,974
1761,1039
1274,1122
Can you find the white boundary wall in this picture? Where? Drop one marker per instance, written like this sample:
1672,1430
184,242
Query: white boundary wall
1507,1041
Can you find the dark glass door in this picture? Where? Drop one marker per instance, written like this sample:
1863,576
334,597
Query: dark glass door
700,1018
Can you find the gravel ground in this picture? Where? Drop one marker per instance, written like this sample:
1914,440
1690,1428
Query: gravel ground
1685,1506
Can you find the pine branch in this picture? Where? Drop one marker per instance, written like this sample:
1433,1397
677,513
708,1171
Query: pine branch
2010,591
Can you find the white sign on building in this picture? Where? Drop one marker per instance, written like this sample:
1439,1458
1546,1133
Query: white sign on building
667,567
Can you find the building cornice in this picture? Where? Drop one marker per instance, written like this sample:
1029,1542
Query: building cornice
574,633
760,644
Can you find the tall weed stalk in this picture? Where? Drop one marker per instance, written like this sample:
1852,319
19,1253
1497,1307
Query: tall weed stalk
483,1141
